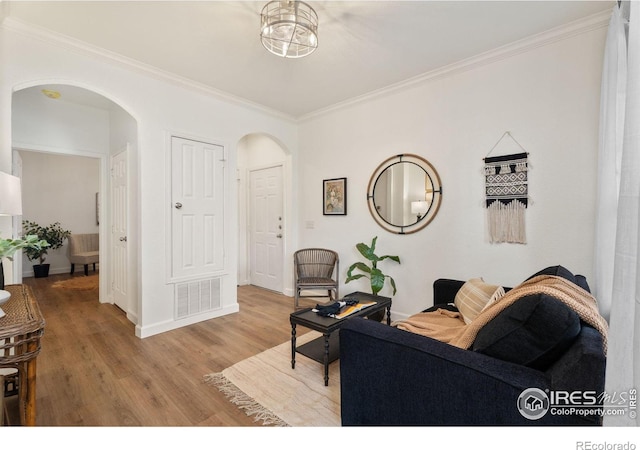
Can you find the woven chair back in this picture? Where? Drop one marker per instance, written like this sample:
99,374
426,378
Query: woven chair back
315,262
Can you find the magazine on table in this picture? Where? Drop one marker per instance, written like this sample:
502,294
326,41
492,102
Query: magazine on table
348,310
342,308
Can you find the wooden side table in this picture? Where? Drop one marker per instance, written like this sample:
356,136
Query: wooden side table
325,349
20,332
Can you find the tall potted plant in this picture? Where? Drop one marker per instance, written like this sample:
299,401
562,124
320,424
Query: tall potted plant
376,277
54,234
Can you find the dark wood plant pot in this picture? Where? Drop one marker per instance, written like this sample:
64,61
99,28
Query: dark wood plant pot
41,270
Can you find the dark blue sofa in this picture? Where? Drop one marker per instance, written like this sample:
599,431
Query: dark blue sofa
394,377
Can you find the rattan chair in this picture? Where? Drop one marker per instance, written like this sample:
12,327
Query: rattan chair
314,269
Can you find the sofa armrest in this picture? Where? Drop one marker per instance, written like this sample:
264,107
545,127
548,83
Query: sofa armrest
583,366
394,377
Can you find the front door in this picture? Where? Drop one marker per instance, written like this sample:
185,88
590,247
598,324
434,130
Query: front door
266,228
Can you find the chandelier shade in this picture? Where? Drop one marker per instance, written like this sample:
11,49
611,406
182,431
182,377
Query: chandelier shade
289,28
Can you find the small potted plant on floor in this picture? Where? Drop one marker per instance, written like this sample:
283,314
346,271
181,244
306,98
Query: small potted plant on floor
9,246
53,234
376,277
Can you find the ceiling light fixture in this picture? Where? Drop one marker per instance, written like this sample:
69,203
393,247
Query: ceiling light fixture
289,28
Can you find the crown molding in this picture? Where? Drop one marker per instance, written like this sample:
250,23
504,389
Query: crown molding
85,49
585,25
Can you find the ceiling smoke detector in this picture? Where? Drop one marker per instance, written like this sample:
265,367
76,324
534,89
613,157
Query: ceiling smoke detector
51,94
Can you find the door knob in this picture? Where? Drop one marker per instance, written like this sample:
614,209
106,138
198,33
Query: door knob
279,236
123,239
178,205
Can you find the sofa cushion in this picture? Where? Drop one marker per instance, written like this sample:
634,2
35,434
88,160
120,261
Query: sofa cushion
474,295
534,332
565,273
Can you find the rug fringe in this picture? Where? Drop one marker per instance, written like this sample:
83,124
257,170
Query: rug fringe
243,401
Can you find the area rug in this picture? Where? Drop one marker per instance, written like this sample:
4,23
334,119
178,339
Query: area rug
78,283
268,389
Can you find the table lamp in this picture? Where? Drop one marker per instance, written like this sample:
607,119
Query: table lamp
419,208
10,205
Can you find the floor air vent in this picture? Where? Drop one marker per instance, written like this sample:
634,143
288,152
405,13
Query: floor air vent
196,297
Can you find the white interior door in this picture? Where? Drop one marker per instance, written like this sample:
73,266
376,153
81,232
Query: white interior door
266,228
119,241
197,193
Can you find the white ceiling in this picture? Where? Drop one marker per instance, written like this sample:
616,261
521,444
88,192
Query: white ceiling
364,46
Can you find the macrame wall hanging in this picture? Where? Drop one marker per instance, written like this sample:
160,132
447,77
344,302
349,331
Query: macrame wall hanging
506,191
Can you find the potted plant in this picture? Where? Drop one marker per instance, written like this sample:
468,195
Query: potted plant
376,277
53,234
9,246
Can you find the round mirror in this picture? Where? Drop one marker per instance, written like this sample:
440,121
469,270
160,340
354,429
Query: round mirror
404,194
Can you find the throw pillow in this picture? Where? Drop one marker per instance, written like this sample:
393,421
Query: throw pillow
534,332
474,295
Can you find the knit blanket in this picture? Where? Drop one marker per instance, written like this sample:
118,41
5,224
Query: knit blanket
449,327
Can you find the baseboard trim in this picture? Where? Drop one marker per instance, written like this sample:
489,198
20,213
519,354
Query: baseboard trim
161,327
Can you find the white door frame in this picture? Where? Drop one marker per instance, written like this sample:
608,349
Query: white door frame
105,253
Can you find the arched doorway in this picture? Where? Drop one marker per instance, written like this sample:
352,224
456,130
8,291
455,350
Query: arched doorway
264,213
59,127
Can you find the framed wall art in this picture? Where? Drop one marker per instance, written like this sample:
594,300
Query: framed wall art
334,197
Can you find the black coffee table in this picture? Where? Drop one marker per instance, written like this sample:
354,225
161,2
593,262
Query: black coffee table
326,348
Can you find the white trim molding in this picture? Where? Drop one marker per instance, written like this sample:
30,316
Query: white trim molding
590,23
78,46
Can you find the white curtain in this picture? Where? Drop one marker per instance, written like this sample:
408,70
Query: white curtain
612,109
620,173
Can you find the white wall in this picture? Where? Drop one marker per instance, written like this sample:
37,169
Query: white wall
58,124
58,188
547,97
29,57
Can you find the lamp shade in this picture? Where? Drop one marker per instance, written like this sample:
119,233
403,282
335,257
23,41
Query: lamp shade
419,207
10,195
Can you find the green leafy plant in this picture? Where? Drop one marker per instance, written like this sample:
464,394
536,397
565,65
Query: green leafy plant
53,234
375,275
9,246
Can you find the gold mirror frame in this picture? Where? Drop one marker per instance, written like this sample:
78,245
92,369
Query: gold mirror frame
381,197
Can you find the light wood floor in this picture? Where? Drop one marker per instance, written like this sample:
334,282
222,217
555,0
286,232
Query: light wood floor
93,371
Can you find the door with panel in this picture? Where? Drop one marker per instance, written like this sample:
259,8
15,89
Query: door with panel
266,228
119,225
197,195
